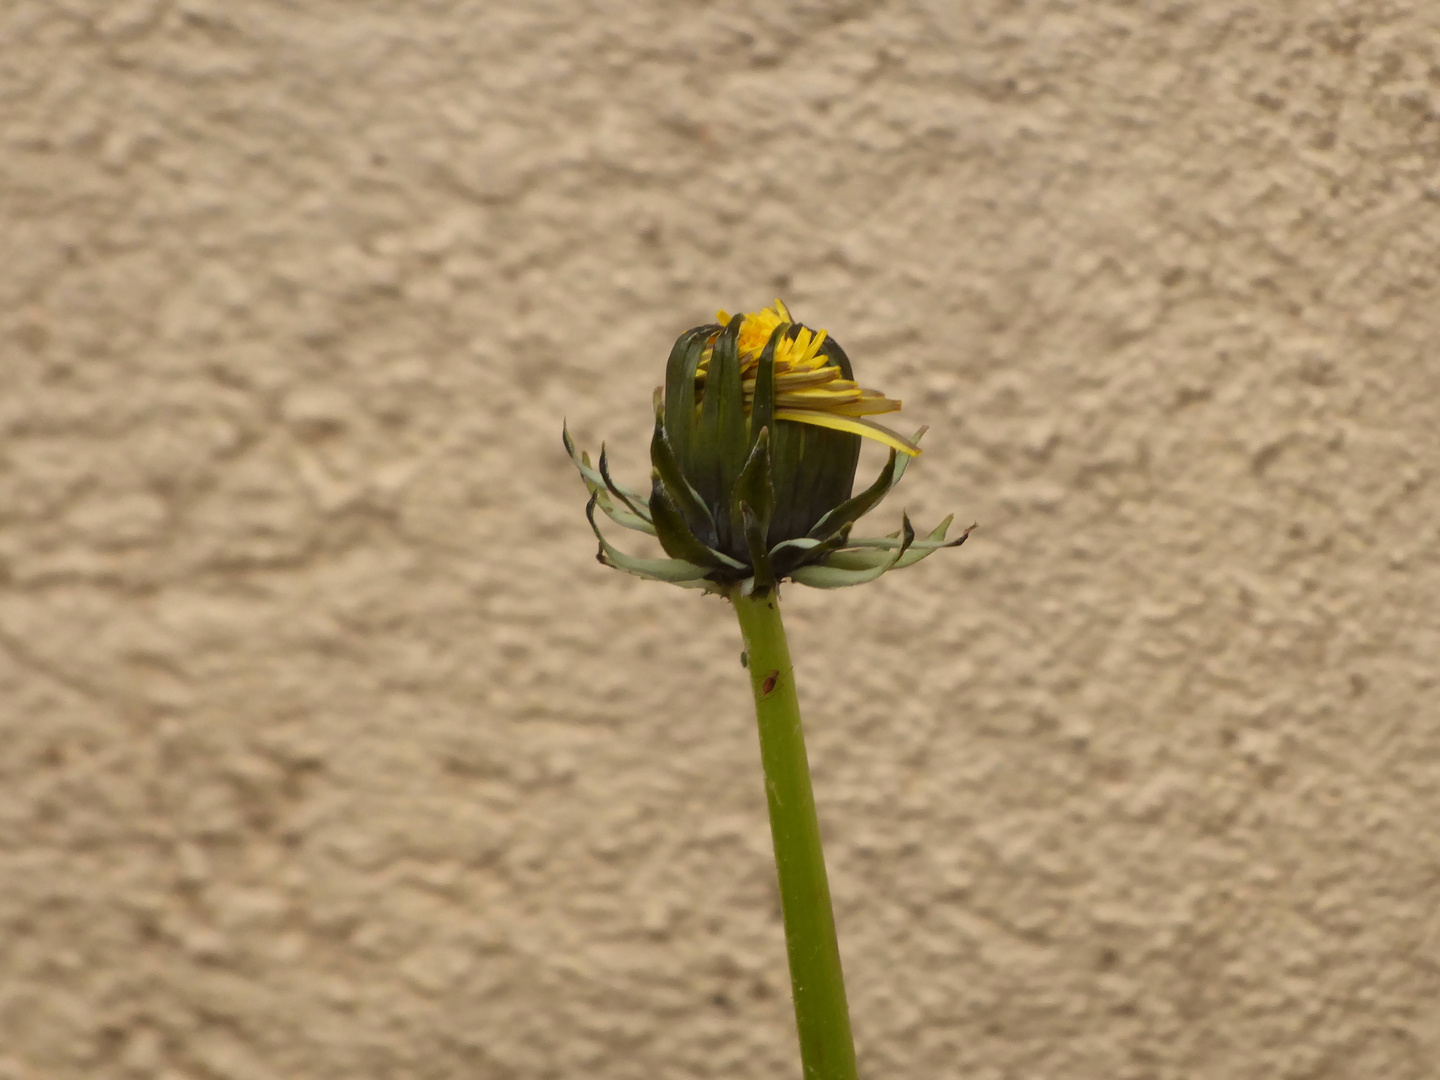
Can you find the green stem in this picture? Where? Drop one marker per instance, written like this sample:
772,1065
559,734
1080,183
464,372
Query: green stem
821,1014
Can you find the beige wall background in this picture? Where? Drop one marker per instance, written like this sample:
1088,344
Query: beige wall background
330,752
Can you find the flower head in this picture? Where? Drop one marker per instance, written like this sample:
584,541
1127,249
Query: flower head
757,436
813,380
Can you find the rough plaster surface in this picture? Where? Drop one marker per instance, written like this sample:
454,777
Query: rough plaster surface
329,751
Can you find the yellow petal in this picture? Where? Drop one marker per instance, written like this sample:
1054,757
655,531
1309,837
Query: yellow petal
868,407
864,428
818,397
789,380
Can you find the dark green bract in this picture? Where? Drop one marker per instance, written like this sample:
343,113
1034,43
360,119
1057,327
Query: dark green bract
740,500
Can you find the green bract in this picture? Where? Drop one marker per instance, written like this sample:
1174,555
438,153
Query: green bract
741,499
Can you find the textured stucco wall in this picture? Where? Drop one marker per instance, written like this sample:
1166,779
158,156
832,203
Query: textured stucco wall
329,751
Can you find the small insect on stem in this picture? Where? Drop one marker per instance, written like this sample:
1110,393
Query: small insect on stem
768,686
